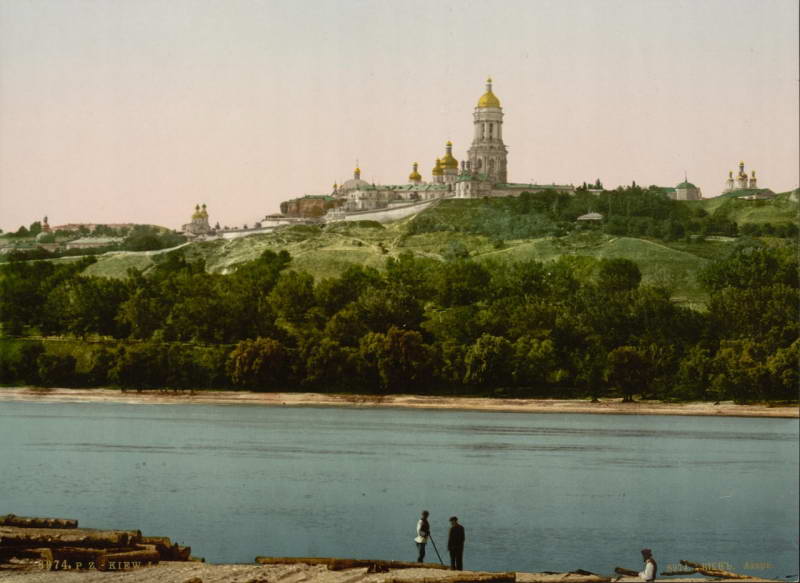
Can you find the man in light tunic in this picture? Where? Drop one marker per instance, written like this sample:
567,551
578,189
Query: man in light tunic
650,567
423,532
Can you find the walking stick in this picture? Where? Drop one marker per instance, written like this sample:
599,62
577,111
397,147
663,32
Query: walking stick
435,549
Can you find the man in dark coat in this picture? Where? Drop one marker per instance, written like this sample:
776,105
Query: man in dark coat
455,544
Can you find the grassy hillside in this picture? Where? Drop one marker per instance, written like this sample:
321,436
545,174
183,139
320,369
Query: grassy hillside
783,209
468,227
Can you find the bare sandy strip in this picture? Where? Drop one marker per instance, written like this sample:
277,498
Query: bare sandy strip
605,406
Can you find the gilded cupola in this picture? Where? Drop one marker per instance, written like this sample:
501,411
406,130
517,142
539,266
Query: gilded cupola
489,99
448,161
415,175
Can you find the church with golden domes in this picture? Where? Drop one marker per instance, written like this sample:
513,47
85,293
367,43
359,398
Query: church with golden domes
482,173
199,224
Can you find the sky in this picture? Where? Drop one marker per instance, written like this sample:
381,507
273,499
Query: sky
136,110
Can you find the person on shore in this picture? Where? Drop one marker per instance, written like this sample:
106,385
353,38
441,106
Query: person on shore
423,532
650,567
455,544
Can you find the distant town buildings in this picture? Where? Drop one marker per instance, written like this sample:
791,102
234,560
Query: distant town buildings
92,242
90,227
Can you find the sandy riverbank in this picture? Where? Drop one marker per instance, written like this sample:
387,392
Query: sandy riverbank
207,573
605,406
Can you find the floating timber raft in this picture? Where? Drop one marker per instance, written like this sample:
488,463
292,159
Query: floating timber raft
58,544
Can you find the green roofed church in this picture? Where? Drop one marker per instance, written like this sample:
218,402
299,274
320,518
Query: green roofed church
683,191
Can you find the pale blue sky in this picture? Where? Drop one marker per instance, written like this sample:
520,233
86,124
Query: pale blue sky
135,110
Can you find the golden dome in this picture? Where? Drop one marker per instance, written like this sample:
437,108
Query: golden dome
414,174
448,161
489,99
437,169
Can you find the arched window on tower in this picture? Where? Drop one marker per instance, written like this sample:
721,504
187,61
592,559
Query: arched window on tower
480,163
491,130
491,167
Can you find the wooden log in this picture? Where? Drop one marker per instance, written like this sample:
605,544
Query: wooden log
699,568
455,577
73,537
166,550
20,553
578,576
334,564
293,560
113,561
36,522
157,540
378,566
181,553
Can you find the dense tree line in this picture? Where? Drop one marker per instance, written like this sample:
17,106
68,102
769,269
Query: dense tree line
421,325
628,211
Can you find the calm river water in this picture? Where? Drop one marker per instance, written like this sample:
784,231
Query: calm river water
534,492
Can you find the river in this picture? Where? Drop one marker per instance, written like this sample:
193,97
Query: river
533,491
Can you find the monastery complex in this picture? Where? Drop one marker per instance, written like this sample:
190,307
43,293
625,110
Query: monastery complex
483,173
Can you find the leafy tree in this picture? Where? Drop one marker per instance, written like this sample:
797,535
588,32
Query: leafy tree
101,363
412,274
533,360
379,310
616,275
459,283
400,357
145,310
752,266
740,371
35,228
756,313
695,375
263,364
627,369
784,369
293,296
489,361
328,365
139,366
20,363
81,306
55,369
333,294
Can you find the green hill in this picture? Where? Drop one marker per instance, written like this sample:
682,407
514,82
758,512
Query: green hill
440,232
487,230
782,209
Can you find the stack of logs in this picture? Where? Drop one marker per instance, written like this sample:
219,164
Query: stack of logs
58,543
